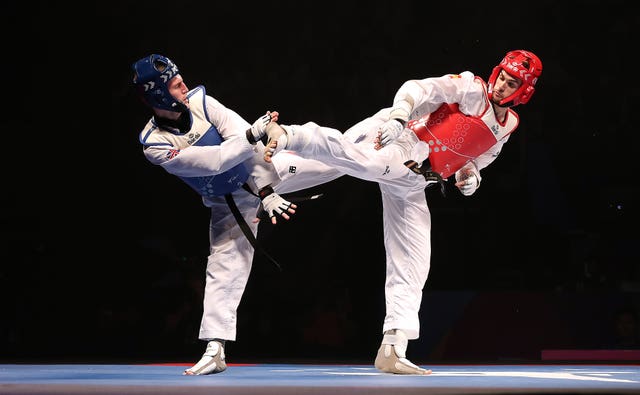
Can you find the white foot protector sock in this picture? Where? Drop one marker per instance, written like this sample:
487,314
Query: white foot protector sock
211,362
290,137
391,356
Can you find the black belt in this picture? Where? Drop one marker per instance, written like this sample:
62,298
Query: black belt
245,227
247,230
425,170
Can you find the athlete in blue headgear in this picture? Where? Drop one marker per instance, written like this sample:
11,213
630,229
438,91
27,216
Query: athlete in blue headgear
218,154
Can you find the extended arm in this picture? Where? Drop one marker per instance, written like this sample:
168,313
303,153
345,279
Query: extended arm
417,98
237,146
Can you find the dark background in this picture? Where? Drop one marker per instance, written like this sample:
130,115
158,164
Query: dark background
103,254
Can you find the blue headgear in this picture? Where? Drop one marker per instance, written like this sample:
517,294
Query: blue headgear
151,75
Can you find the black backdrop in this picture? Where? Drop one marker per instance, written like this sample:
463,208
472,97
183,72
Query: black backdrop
103,254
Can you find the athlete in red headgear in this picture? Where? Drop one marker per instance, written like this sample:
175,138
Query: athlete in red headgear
459,123
464,125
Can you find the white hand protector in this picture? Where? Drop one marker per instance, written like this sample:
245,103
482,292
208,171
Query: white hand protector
390,131
259,128
467,182
275,205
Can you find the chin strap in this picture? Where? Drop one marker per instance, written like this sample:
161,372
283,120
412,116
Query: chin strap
425,170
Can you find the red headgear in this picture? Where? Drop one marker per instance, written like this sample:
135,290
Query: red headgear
523,65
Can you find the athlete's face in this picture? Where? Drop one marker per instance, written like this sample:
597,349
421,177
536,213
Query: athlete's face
178,89
504,86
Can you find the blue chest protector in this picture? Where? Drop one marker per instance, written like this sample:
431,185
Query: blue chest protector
219,184
206,134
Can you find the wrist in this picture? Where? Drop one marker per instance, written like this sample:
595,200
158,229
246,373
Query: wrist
401,110
265,191
401,121
250,137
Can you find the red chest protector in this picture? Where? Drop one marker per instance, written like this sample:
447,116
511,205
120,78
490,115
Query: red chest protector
455,138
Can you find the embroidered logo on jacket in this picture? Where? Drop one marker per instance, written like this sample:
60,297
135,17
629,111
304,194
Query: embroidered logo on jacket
193,137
